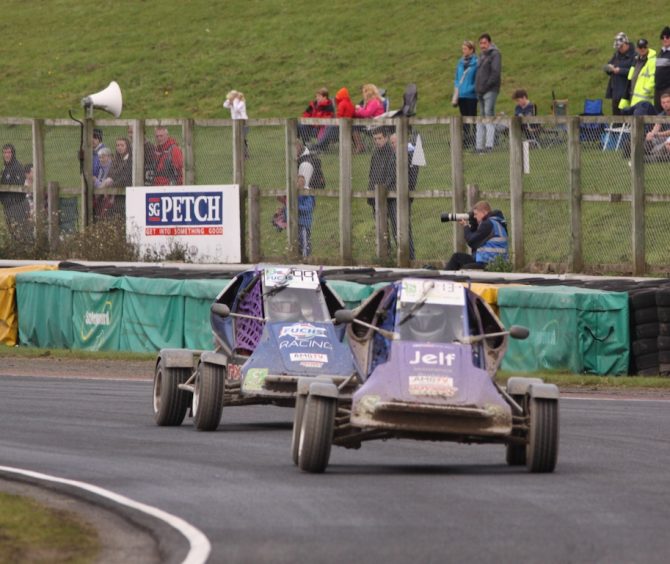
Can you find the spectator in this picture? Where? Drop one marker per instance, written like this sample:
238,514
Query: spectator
310,176
662,74
525,108
617,68
13,170
344,109
168,160
373,104
320,107
487,86
121,172
657,141
639,96
97,145
102,203
382,173
465,96
485,234
236,103
412,180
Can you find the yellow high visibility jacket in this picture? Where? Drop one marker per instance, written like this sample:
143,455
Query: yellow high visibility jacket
643,91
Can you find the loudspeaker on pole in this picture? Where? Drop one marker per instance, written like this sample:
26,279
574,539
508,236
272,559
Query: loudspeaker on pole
110,100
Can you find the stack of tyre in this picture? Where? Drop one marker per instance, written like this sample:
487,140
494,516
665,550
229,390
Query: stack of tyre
650,331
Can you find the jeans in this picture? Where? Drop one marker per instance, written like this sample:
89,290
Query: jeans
487,108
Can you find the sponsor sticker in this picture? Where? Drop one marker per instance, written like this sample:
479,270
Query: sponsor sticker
303,332
434,386
255,379
184,209
234,372
308,357
293,277
433,291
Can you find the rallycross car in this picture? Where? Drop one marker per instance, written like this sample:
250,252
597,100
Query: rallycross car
429,350
271,326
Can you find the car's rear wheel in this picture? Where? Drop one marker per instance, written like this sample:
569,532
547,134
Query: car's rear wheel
316,433
300,402
208,396
542,449
169,402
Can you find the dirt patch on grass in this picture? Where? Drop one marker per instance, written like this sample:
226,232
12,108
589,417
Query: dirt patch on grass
72,368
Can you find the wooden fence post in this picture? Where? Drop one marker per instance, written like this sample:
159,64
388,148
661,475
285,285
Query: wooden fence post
637,179
381,222
402,219
516,192
346,199
39,192
291,188
254,223
86,208
189,154
459,203
138,152
575,181
239,161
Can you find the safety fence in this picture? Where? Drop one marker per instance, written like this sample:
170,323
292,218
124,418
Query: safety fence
581,194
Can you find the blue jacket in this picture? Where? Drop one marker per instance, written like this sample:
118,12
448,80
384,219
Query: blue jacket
466,84
306,205
496,245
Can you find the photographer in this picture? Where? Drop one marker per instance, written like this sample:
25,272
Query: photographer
486,234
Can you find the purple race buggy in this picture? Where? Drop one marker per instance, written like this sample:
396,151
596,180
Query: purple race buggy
429,350
271,326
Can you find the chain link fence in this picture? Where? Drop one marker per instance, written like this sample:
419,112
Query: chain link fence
579,194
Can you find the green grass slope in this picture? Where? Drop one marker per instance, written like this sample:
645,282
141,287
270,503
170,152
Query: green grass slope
178,59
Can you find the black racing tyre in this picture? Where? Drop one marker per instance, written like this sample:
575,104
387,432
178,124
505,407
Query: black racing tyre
646,331
316,433
643,298
664,357
300,402
644,346
664,329
542,450
516,453
645,315
208,396
646,361
663,369
169,402
663,343
663,297
663,314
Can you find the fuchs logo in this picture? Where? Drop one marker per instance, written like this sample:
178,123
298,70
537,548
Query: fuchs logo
303,331
184,208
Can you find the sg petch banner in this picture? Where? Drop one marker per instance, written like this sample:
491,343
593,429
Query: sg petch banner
202,221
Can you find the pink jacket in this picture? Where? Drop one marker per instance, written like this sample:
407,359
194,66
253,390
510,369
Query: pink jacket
373,108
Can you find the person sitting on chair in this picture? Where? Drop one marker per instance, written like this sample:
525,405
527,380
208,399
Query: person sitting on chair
657,141
525,108
486,235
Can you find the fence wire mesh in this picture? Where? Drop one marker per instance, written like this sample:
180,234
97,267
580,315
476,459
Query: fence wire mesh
605,176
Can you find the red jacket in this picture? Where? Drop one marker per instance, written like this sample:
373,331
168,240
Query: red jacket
372,108
169,162
322,109
345,108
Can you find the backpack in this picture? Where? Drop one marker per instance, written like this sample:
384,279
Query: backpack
318,179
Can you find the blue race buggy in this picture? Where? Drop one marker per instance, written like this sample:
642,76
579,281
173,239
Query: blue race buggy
429,351
271,326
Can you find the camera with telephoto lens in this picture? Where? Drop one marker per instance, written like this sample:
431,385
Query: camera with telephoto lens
455,216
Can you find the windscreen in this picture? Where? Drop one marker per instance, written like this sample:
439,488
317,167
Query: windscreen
285,303
431,311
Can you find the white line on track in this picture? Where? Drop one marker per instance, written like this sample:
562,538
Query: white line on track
600,398
200,546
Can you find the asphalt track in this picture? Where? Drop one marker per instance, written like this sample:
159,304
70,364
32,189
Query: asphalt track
395,501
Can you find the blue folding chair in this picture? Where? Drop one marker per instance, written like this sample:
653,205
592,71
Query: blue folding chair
591,131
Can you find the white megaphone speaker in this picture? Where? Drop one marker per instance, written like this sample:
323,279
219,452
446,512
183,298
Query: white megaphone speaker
109,100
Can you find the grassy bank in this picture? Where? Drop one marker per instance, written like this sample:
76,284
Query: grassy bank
178,60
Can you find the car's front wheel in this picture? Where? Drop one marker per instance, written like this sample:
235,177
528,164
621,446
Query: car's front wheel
208,396
542,449
300,402
316,433
169,402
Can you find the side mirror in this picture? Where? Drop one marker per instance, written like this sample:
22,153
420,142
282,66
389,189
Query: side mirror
518,332
344,316
222,310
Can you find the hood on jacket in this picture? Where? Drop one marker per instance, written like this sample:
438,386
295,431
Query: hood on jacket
342,94
499,215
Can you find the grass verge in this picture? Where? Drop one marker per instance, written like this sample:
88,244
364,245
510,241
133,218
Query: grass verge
34,352
31,532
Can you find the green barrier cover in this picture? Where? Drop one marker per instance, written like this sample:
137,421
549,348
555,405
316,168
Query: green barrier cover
153,313
351,293
199,296
44,303
97,310
576,329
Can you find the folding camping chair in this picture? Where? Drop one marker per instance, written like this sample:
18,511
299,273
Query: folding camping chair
621,130
591,131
